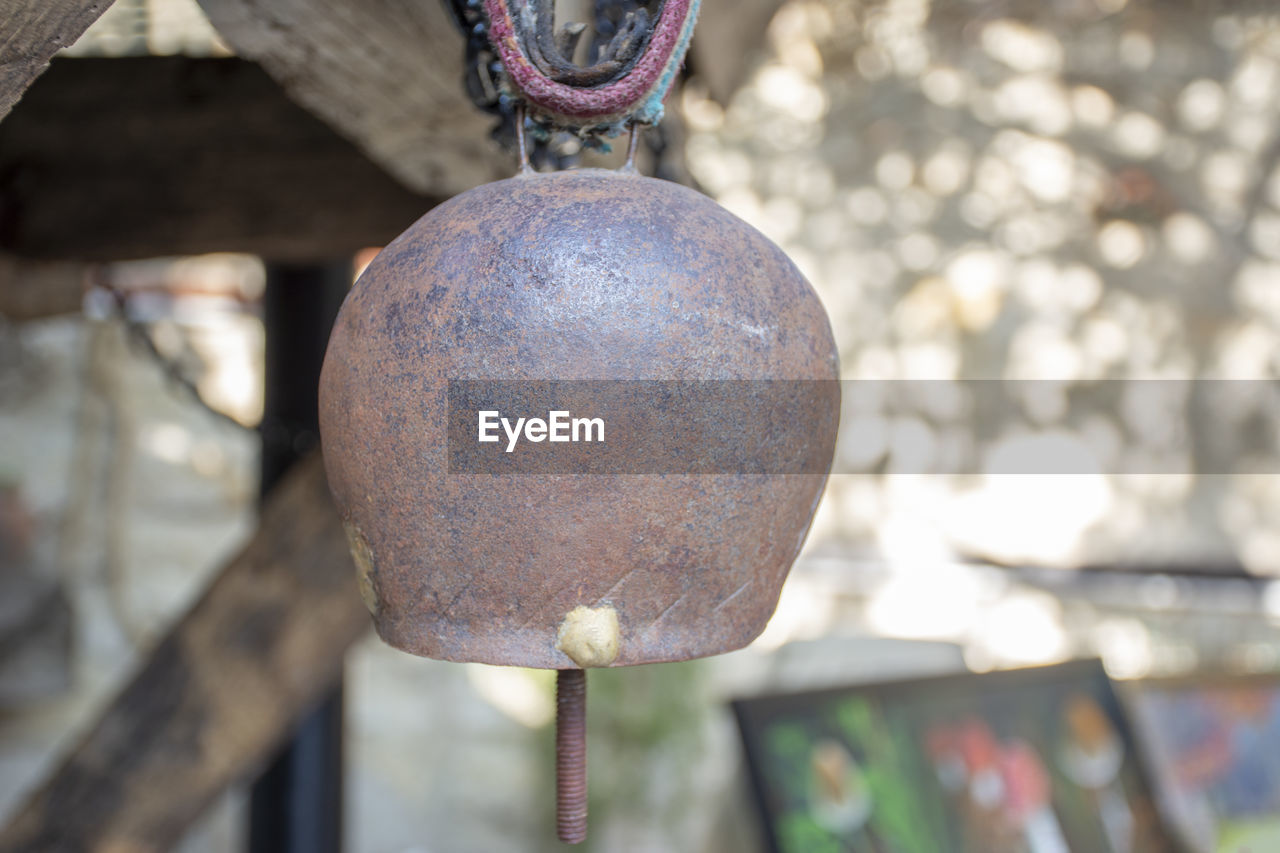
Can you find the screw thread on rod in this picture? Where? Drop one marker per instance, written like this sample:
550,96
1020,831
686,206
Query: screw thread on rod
571,755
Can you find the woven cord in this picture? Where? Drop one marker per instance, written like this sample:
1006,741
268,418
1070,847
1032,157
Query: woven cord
635,97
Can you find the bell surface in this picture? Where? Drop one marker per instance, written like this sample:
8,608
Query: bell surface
579,275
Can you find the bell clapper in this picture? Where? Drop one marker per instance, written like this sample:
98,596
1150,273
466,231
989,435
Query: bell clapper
589,636
571,755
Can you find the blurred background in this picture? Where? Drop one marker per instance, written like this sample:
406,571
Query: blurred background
1073,190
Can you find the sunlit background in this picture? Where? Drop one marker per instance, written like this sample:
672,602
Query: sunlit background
1018,190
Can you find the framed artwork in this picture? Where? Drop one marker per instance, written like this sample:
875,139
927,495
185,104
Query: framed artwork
1214,747
1027,761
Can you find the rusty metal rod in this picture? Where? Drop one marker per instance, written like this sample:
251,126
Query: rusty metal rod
571,755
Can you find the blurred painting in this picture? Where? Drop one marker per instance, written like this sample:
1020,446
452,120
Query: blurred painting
1215,748
1024,761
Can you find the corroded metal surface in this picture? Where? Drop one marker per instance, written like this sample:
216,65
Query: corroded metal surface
575,275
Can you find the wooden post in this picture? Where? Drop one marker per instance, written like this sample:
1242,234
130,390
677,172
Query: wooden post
295,806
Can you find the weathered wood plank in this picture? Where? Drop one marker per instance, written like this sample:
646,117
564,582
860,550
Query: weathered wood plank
111,159
31,32
216,694
387,74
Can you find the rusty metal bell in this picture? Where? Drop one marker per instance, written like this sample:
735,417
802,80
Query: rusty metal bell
586,275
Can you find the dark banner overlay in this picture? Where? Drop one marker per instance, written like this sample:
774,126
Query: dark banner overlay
960,427
641,427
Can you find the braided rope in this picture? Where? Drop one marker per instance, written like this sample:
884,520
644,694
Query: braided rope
635,97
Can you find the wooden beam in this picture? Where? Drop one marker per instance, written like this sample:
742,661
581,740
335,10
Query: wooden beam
218,692
111,159
32,290
31,32
387,74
